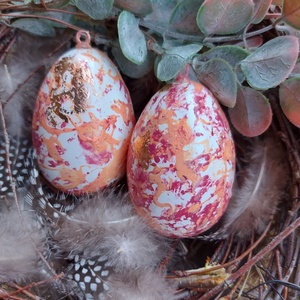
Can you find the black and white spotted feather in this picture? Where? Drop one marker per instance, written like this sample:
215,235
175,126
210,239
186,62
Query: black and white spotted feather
18,151
99,235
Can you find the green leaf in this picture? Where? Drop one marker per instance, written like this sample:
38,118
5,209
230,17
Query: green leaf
218,77
261,8
137,7
60,16
162,10
38,1
96,9
224,17
296,70
183,18
185,51
174,60
271,63
168,67
130,69
131,38
34,26
291,13
252,114
289,96
231,54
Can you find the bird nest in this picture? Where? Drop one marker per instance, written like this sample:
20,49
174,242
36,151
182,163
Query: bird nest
252,253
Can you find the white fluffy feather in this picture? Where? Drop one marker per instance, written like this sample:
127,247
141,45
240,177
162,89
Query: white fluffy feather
139,284
19,259
106,224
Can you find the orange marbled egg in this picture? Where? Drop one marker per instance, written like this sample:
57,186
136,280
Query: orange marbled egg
82,121
181,160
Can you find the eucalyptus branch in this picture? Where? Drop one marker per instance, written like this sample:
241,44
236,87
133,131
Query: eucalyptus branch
200,39
41,9
42,17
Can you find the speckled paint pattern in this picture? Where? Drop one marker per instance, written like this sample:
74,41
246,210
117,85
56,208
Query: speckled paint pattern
181,160
82,122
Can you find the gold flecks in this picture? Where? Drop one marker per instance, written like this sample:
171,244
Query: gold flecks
140,147
74,91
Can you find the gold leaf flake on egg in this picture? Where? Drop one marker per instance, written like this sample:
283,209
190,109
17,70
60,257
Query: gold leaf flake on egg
68,98
140,147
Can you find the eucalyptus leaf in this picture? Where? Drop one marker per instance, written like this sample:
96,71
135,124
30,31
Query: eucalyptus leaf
261,8
224,17
38,1
60,16
271,63
168,67
291,13
34,26
171,42
231,54
296,69
96,9
130,69
289,96
162,11
137,7
252,114
218,77
59,3
183,18
174,60
185,51
131,38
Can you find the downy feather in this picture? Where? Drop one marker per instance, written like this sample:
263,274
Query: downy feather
19,259
18,85
139,284
263,181
106,224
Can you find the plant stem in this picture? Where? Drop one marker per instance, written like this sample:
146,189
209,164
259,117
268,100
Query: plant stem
42,17
41,9
275,242
202,39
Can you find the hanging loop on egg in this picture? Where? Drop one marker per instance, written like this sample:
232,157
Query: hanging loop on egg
83,39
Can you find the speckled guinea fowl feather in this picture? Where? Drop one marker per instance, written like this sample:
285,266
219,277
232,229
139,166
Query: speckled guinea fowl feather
18,150
88,273
91,274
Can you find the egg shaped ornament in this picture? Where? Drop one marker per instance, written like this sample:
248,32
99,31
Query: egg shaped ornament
181,160
82,121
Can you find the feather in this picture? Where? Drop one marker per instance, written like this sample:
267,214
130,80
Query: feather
19,257
107,224
20,77
256,199
139,284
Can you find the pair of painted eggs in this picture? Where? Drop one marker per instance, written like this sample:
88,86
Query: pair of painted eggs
180,153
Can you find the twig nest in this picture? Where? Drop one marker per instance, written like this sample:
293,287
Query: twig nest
181,160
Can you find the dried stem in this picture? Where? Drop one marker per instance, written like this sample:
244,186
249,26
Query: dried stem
275,242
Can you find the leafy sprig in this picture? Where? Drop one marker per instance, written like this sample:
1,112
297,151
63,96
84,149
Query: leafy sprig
239,49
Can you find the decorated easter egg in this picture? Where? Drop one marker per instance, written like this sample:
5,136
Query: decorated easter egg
82,121
181,160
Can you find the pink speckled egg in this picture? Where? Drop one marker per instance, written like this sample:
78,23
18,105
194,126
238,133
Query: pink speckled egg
181,160
82,121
